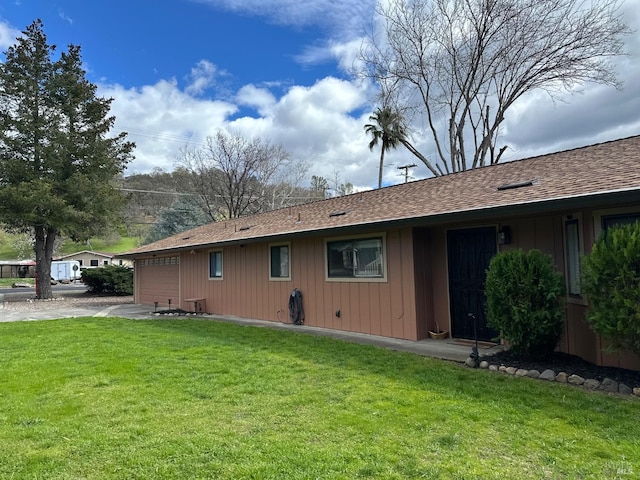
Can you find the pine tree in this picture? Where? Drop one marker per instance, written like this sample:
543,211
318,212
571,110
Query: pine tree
57,164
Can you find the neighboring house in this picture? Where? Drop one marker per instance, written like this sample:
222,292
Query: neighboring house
17,268
394,261
89,259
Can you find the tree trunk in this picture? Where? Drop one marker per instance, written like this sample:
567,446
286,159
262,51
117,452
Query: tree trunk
43,248
381,166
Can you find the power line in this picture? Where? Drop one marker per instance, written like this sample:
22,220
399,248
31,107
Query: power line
406,171
156,192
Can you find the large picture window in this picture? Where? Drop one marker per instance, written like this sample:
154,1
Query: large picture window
279,262
215,264
355,258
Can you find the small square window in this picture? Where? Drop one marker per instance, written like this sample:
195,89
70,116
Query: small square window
279,262
94,263
215,264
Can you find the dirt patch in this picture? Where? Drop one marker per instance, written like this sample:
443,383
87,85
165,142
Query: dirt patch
18,303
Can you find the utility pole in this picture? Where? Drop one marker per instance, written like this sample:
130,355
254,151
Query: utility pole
406,171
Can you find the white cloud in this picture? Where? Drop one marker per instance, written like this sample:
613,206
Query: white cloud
316,124
161,120
64,17
202,77
260,98
8,35
344,23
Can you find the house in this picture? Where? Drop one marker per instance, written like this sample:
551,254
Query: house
17,269
90,259
395,261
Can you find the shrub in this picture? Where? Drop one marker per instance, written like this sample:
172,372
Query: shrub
110,279
524,301
611,281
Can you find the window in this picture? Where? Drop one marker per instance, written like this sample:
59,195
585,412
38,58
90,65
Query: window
572,239
105,262
619,220
80,262
215,264
355,258
94,263
279,268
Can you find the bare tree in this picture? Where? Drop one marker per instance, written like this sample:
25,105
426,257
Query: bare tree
319,187
233,175
461,64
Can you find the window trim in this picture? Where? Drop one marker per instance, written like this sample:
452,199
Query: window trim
221,277
276,245
383,279
598,215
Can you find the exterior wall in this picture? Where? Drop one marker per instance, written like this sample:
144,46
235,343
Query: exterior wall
425,287
157,279
406,305
86,257
386,308
545,233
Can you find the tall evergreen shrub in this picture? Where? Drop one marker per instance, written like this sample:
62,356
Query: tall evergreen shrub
524,301
611,281
110,279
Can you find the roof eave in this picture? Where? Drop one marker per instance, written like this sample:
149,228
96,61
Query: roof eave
595,199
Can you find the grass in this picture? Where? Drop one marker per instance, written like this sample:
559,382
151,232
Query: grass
123,244
8,251
101,398
8,282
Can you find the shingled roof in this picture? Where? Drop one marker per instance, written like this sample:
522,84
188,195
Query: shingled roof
575,178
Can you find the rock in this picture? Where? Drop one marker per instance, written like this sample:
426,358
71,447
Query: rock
521,372
609,385
575,380
548,375
511,370
470,362
591,383
624,389
562,377
502,369
636,391
493,368
484,364
533,374
21,285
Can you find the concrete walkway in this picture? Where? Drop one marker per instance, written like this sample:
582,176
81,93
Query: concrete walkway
448,349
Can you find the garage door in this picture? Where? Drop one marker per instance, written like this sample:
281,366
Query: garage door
159,281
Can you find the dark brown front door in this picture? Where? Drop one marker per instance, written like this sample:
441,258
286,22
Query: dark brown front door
469,252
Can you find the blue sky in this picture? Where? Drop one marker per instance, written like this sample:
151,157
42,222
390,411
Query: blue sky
179,70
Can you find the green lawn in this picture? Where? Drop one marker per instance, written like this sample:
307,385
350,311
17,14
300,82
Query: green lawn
101,398
8,282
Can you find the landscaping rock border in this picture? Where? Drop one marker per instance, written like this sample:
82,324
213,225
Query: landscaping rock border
606,385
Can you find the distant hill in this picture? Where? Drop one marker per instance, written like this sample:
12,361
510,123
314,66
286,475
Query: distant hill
13,246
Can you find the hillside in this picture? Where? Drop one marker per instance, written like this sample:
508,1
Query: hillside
15,246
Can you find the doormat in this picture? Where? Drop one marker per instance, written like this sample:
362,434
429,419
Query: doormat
471,343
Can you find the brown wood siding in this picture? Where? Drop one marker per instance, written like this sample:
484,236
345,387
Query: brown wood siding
379,308
424,282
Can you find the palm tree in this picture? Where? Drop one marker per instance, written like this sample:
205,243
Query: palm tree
389,129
